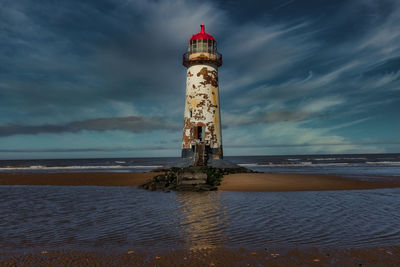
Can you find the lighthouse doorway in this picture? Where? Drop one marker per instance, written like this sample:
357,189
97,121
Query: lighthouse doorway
200,133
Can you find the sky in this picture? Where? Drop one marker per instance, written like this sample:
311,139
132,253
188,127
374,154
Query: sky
104,78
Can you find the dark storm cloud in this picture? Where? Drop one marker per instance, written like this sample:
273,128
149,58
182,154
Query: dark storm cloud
284,61
355,63
68,57
132,124
78,54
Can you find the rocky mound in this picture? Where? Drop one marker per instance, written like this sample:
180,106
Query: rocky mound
190,178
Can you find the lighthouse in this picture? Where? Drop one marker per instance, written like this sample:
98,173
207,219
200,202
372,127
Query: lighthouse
202,138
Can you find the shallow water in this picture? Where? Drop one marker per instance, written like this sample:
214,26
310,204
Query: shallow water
118,218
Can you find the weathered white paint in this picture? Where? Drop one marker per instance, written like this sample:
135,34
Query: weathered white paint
202,98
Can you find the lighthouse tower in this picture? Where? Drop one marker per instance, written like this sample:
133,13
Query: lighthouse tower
202,124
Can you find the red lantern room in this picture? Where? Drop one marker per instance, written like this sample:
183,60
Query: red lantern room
202,49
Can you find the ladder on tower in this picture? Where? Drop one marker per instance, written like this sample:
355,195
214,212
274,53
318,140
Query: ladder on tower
200,155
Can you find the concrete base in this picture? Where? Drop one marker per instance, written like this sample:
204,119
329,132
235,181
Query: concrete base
222,163
187,153
187,162
192,181
192,176
214,153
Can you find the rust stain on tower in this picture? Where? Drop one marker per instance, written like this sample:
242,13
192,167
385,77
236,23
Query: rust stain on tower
202,119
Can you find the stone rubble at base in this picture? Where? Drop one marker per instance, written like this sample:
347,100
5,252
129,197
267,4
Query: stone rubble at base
184,177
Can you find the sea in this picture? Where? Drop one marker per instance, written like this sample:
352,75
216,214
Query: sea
120,218
354,164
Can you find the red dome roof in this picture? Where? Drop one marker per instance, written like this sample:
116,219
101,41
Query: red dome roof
202,35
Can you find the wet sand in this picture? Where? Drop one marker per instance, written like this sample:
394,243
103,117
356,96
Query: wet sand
77,178
231,182
389,256
299,182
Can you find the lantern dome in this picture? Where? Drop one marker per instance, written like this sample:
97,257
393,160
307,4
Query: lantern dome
202,35
202,48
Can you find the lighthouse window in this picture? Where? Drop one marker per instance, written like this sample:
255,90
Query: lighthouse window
190,113
202,45
210,46
204,49
194,50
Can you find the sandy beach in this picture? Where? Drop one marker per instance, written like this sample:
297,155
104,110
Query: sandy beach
232,182
77,178
389,256
298,182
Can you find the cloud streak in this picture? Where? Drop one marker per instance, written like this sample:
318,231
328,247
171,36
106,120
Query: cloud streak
114,66
133,124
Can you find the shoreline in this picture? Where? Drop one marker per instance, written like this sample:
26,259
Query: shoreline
382,256
232,182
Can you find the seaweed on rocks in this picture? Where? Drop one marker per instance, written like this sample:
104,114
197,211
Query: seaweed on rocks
190,178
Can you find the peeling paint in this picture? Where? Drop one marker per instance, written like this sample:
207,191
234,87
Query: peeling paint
193,103
187,136
209,76
202,103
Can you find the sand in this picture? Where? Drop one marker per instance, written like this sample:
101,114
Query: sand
77,178
299,182
232,182
389,256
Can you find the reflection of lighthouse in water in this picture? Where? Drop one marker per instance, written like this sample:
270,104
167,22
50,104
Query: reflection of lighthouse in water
204,219
202,123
